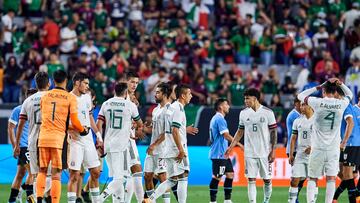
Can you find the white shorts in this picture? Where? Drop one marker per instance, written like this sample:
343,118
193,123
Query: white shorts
118,164
321,161
34,164
154,164
85,155
134,154
255,166
299,170
174,168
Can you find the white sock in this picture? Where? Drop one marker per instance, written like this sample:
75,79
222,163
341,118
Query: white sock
330,191
267,191
138,187
95,195
316,193
293,191
129,189
34,185
166,197
252,191
71,197
162,188
310,191
111,189
182,190
48,184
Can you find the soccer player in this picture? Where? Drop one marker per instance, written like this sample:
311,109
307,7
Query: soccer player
325,145
133,182
258,124
176,153
82,149
154,165
30,111
349,153
56,106
117,114
219,139
23,158
357,119
301,134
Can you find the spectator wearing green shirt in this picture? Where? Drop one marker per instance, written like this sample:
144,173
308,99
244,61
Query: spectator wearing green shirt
267,47
242,44
34,8
212,84
236,92
14,5
54,64
100,17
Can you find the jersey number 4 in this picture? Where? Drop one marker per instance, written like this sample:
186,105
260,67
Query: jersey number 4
330,117
115,120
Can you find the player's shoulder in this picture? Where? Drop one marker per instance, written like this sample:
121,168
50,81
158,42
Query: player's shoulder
266,109
17,109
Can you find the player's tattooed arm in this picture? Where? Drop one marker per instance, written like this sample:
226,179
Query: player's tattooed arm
273,141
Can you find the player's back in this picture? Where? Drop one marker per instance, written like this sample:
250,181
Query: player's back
31,112
328,114
118,114
55,111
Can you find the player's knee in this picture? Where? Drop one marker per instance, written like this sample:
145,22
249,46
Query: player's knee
230,175
21,172
136,168
294,182
95,173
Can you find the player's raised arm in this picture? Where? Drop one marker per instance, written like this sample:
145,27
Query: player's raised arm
348,93
306,93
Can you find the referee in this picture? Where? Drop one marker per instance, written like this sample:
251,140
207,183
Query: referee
219,140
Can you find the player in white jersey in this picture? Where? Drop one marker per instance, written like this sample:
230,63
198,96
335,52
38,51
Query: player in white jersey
325,143
301,134
154,165
117,114
81,148
176,153
258,124
30,111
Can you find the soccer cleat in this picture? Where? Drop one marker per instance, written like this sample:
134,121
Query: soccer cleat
85,196
31,199
227,201
19,196
79,200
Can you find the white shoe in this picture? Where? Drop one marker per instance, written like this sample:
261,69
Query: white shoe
212,202
227,201
19,196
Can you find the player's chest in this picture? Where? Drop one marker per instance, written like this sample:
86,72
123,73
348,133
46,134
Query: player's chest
259,119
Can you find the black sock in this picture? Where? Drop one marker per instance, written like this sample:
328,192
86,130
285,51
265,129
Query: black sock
300,185
13,194
214,184
85,195
174,189
228,188
351,191
29,190
24,186
48,199
343,186
39,199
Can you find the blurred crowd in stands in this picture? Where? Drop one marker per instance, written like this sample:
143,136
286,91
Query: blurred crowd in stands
219,47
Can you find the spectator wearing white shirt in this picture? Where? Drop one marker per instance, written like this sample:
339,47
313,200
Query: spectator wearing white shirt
302,45
153,81
349,16
68,43
8,29
89,48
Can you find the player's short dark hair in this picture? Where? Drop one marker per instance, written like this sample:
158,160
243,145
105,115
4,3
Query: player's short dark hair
252,92
330,88
41,80
340,91
296,100
218,102
180,89
30,92
120,88
78,76
131,75
358,94
165,88
59,76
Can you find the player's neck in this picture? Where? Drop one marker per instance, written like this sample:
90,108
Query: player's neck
76,92
256,106
164,102
308,114
181,101
222,113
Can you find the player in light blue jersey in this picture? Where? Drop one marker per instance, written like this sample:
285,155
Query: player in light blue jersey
23,158
219,139
349,156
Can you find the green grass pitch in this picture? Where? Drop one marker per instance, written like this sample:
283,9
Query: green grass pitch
200,194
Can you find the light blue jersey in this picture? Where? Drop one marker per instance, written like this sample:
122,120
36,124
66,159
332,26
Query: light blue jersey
289,124
14,119
219,144
354,112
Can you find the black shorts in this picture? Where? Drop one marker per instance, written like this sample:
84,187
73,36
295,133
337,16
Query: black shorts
24,157
221,166
351,156
64,155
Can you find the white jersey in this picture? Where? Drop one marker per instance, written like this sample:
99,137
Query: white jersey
327,119
84,112
118,113
303,128
30,110
132,130
257,125
175,117
158,126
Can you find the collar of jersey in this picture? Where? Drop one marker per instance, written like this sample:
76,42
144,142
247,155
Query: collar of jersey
59,88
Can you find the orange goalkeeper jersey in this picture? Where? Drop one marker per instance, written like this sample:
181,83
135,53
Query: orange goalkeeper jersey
57,106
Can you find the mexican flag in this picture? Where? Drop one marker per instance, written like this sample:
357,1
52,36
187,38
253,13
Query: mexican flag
198,15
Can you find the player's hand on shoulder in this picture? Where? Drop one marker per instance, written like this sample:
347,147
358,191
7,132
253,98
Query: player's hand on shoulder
192,130
85,131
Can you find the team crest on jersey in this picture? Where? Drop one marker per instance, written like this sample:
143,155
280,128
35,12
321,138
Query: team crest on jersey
262,120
